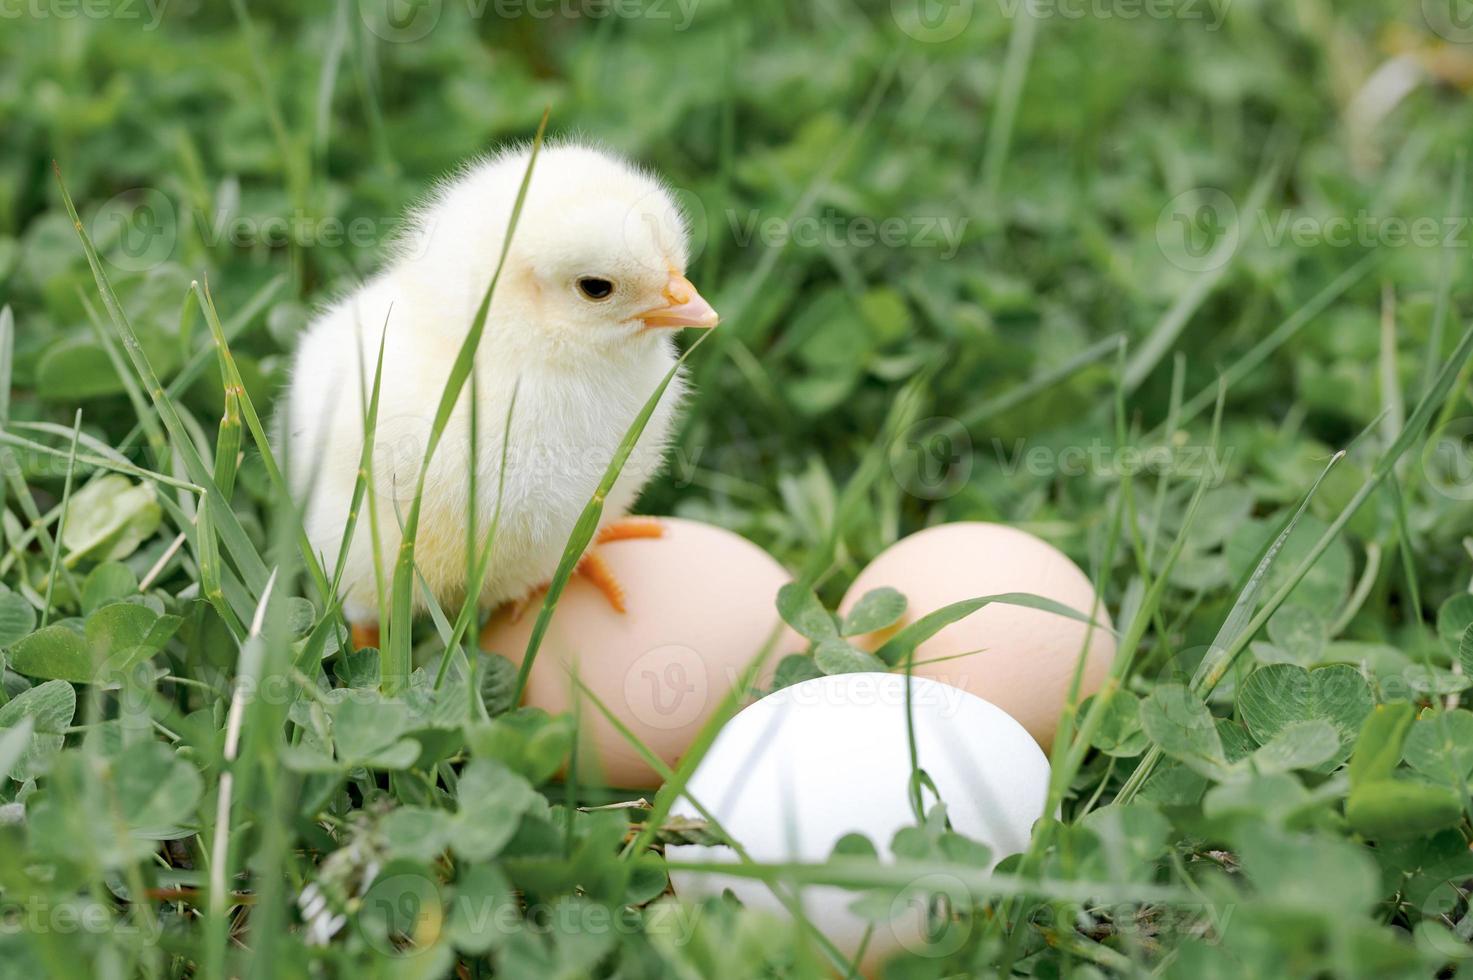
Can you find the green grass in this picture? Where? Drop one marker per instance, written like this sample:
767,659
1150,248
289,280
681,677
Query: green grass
1274,779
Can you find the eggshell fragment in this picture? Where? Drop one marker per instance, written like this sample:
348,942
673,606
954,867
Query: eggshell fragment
700,603
1024,659
793,773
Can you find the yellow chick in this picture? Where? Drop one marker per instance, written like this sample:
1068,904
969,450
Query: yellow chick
580,325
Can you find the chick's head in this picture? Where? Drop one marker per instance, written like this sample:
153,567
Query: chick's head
601,249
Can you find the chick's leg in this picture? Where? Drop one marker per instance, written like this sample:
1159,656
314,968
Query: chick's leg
365,635
593,567
631,527
597,573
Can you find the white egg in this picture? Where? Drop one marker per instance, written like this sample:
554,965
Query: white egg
790,775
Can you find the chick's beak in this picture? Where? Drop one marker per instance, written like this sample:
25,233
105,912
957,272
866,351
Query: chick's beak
683,307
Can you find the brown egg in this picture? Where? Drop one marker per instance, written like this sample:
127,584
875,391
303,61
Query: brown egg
700,603
1024,659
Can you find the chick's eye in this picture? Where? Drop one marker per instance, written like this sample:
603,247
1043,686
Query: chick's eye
596,287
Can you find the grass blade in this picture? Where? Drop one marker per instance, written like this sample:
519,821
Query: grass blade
587,523
235,385
396,647
66,500
667,775
480,564
1043,381
1009,95
365,458
1260,352
1411,432
252,568
1167,329
1216,663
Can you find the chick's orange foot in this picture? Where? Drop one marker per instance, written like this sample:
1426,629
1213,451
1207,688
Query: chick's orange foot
592,567
596,571
365,635
598,574
631,527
